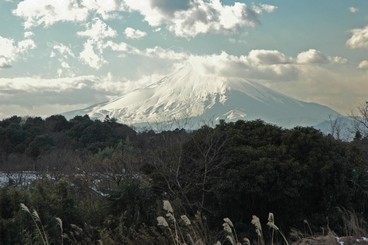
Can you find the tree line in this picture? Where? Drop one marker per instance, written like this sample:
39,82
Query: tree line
106,181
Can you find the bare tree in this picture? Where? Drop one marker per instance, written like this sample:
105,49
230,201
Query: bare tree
188,162
361,119
209,160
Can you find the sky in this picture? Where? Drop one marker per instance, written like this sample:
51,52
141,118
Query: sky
63,55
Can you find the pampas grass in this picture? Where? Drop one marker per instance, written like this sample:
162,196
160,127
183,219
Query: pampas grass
60,224
230,232
271,224
182,231
257,224
167,206
193,236
38,224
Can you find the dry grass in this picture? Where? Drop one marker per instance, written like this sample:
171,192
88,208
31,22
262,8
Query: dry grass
329,239
355,228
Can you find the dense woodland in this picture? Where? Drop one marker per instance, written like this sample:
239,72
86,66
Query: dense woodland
107,182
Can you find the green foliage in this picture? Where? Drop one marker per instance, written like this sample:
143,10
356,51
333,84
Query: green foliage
35,138
132,196
39,144
56,123
266,168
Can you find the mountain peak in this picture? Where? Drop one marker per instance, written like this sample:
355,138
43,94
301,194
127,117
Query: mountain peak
192,92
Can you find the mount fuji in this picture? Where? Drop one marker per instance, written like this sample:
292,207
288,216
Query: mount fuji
191,94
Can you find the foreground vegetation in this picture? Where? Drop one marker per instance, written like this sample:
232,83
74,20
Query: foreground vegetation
104,182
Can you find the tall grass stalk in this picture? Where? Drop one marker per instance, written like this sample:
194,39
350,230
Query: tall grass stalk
161,221
60,224
257,224
271,224
309,228
229,229
37,221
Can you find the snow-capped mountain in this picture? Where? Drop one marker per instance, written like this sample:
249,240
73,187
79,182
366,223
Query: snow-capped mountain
192,94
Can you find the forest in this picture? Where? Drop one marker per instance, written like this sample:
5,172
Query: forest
102,182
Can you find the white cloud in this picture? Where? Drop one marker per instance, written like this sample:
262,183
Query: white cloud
28,34
311,56
8,51
134,34
105,8
337,60
97,30
266,65
4,62
353,10
363,64
11,51
41,96
268,8
267,57
158,52
151,14
47,13
89,56
64,66
359,39
25,45
36,84
62,50
100,37
121,86
199,16
63,54
264,7
120,47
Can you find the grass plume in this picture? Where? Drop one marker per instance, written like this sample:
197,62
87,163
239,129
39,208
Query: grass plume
38,224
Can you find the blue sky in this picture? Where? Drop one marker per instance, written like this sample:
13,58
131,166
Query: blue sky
57,56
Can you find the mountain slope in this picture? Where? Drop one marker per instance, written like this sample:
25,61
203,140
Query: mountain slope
190,93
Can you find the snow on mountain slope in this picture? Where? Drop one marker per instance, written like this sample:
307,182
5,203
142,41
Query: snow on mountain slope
191,93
